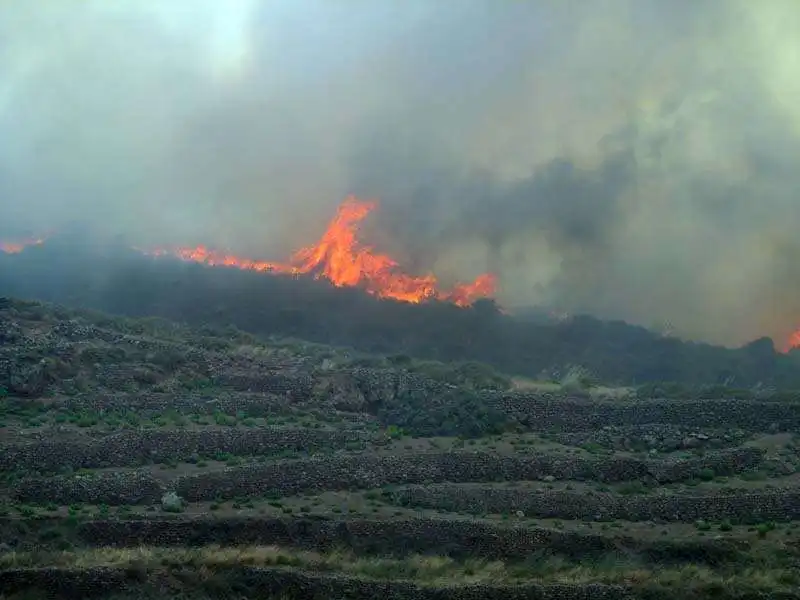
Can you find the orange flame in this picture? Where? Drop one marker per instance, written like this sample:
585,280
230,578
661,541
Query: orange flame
793,341
339,257
19,246
214,258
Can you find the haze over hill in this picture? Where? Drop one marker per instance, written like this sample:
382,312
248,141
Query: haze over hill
628,158
120,280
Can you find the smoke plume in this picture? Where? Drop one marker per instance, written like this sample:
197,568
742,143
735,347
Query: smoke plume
633,159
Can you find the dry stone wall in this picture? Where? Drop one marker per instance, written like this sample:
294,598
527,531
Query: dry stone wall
319,473
662,438
457,538
291,477
547,413
738,508
254,405
154,446
297,386
376,391
720,462
105,487
74,584
557,412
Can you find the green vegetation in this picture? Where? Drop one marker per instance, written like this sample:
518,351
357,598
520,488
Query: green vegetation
454,412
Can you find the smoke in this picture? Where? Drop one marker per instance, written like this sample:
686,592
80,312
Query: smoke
632,159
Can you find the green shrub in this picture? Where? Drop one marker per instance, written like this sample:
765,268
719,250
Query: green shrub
632,487
470,375
764,528
457,412
707,474
702,525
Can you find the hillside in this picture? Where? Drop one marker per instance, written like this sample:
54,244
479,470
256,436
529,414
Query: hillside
117,280
141,458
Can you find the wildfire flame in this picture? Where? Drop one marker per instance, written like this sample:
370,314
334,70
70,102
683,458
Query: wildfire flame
793,341
16,247
338,257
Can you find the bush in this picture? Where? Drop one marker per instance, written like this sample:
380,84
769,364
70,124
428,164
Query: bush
171,502
454,413
702,525
764,528
707,474
470,375
577,378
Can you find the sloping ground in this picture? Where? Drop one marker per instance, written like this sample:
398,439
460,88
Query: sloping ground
143,459
120,280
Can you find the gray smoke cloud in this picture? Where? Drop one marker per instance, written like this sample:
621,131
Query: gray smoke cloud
632,159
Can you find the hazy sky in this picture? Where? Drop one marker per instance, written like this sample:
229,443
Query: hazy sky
635,159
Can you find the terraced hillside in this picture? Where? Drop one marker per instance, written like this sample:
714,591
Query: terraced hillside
143,459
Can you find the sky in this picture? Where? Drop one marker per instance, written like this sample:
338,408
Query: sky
632,159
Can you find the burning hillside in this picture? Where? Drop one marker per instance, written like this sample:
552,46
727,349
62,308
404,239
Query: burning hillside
17,246
793,341
340,258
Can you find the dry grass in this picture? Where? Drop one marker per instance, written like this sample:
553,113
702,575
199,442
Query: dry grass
433,570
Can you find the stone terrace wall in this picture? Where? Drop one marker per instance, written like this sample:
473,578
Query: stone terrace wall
113,488
297,386
293,477
262,394
365,388
132,448
547,413
456,538
74,584
721,462
254,405
364,471
595,506
663,438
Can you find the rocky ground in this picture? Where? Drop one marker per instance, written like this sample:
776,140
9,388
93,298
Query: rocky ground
143,459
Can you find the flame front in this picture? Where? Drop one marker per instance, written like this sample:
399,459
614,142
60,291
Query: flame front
793,341
15,247
340,258
213,258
